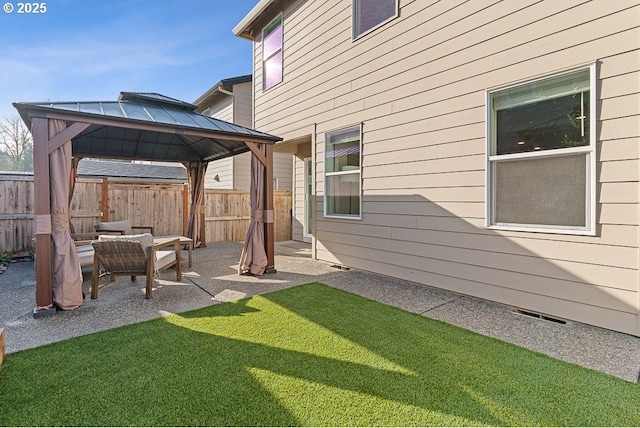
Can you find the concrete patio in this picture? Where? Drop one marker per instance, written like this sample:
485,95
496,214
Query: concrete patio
213,279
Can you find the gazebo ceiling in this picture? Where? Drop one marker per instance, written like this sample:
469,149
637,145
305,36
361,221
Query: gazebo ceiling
147,126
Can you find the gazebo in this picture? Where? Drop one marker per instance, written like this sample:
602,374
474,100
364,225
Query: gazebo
138,126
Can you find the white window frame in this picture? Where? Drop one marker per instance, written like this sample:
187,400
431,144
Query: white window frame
588,150
339,173
280,18
355,36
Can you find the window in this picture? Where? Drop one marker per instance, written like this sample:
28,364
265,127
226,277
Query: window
541,160
272,53
370,14
342,173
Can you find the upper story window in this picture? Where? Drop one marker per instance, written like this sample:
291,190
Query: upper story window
342,173
541,155
371,14
272,53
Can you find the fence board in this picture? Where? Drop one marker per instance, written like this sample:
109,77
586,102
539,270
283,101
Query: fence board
227,212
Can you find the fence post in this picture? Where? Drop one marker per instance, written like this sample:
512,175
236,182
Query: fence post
105,199
185,209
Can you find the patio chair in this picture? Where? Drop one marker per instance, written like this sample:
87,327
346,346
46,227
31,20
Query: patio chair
133,255
85,251
124,227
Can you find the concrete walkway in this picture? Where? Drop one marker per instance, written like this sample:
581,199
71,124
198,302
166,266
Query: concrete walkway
213,279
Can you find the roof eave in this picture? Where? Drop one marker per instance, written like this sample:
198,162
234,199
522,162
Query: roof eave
215,89
245,27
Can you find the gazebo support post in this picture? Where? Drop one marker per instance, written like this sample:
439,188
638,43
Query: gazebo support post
42,211
43,145
269,232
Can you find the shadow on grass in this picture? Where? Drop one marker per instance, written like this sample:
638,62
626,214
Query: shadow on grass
310,355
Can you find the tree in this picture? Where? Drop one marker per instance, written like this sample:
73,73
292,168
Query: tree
16,145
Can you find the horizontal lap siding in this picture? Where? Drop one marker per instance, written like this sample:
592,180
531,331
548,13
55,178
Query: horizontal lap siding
242,171
222,168
418,86
242,115
282,167
242,111
222,110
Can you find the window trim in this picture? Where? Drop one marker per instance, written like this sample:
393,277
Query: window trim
355,36
338,173
589,150
280,18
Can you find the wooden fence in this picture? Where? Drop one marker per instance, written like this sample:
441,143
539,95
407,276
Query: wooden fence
164,206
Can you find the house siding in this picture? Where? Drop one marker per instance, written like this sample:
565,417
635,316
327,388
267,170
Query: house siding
222,168
235,172
243,111
281,171
418,85
282,164
242,171
223,109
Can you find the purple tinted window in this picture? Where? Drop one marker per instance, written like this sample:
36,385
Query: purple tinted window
272,42
273,70
370,13
272,54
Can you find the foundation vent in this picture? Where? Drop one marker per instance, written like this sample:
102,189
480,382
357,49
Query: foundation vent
540,316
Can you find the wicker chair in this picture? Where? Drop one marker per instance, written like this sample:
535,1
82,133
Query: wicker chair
134,255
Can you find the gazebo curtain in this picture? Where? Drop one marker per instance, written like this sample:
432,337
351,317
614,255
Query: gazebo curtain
254,257
72,184
66,279
196,171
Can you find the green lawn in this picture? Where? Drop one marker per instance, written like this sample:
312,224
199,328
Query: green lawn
310,355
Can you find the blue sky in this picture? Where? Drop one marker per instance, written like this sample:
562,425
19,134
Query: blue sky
91,50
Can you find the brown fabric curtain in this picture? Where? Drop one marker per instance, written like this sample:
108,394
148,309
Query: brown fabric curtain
66,276
254,257
196,171
72,184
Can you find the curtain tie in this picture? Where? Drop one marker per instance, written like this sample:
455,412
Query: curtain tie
60,222
257,215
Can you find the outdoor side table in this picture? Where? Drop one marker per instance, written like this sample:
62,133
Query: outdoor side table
183,241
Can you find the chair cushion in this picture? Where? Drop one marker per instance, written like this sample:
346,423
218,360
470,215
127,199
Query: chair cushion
83,248
145,238
163,258
85,255
106,226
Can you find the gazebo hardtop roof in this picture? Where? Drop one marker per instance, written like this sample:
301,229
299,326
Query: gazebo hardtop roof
147,126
